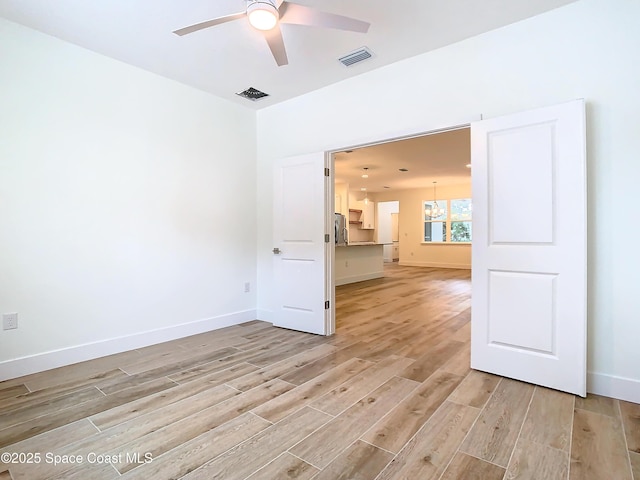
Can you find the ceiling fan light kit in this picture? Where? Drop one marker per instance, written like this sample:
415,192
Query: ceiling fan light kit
263,15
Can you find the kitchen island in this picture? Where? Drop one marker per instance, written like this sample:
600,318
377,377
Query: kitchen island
357,262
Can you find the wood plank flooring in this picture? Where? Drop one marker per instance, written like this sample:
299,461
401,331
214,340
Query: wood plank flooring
390,396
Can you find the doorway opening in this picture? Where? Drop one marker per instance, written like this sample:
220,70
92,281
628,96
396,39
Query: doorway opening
388,229
392,183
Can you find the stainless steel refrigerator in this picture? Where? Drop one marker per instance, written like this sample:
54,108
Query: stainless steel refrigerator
342,230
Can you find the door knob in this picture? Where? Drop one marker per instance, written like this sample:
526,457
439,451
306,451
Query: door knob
276,251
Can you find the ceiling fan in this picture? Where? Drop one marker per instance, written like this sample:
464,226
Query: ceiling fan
266,15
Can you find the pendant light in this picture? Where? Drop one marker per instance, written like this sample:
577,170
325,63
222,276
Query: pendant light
365,175
433,212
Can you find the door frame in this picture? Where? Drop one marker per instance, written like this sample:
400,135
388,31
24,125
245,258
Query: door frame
329,247
330,198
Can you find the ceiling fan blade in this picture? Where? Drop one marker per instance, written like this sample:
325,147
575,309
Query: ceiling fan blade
301,15
276,44
209,23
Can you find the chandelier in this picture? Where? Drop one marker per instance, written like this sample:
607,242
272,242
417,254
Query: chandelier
433,211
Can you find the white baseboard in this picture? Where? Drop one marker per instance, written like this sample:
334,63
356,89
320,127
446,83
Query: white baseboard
266,315
358,278
460,266
621,388
66,356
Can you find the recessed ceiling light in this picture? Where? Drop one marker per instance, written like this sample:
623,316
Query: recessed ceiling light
363,189
403,169
386,186
468,165
348,151
365,176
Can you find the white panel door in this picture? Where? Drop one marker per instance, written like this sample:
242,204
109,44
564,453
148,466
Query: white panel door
300,254
529,247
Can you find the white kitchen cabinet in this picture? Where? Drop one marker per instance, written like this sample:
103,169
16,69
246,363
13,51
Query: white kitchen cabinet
368,217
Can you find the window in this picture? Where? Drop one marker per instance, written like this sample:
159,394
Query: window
461,220
447,221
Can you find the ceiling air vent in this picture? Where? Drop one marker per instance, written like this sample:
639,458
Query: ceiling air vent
252,94
355,57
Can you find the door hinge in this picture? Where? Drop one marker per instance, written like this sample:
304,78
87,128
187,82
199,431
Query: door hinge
326,305
327,238
326,172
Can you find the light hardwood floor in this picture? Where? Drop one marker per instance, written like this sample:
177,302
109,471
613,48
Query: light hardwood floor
390,396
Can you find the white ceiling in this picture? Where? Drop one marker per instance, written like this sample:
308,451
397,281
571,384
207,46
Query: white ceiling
231,57
441,157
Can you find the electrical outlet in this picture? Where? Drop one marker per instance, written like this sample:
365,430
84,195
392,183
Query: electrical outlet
247,287
9,321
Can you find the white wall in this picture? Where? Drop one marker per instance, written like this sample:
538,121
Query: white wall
587,49
127,205
413,250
